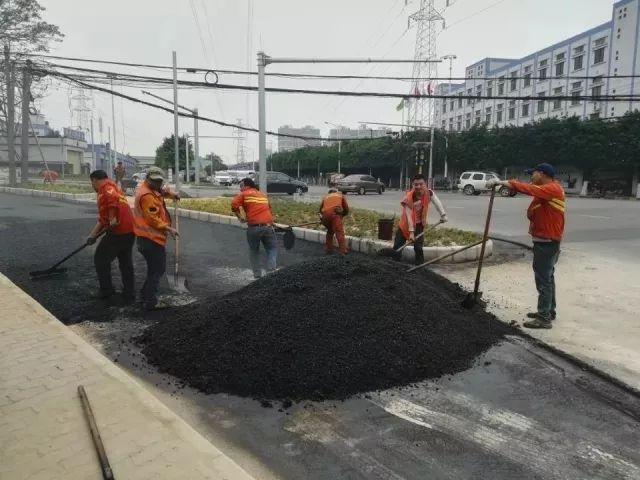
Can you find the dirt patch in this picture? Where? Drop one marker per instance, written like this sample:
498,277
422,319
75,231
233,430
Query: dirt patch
324,329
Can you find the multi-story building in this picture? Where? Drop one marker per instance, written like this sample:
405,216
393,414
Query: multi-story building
286,144
586,64
344,133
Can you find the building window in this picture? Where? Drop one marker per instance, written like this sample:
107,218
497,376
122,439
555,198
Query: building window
541,105
453,105
444,107
598,55
468,121
469,99
499,113
460,100
487,116
596,91
501,85
459,122
543,74
527,69
527,80
451,124
443,124
557,104
489,91
512,113
578,62
544,63
598,79
525,109
594,116
578,50
600,41
576,100
559,69
479,91
514,81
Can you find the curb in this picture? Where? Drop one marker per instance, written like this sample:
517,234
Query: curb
367,246
363,245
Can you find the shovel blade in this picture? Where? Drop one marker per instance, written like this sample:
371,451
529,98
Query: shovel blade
472,299
50,272
178,283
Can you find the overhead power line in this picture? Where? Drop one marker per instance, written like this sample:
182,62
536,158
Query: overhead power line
192,84
328,77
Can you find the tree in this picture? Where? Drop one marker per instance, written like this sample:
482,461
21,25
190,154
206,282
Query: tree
165,153
22,30
214,161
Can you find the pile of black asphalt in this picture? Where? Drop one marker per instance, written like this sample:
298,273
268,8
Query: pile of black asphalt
324,329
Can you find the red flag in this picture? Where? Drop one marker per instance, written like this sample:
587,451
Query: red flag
417,91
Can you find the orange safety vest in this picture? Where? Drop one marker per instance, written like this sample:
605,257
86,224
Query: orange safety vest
333,204
141,226
408,202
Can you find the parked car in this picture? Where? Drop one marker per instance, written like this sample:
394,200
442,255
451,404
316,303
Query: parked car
360,184
474,183
278,182
223,178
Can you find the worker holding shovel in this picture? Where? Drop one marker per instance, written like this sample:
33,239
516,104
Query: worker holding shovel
332,210
152,225
546,227
259,220
114,217
413,220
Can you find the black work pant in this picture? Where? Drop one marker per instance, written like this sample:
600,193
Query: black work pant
545,257
156,257
417,245
114,246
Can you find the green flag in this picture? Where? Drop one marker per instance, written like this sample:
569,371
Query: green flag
400,105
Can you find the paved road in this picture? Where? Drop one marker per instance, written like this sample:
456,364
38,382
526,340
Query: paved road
608,227
520,412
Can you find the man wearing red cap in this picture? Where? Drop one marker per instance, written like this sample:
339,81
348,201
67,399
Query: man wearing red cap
546,226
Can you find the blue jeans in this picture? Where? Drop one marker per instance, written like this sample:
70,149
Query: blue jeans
266,235
545,257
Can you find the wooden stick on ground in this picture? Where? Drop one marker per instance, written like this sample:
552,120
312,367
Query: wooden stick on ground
107,473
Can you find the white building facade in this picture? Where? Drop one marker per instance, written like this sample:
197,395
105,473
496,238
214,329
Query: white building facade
585,64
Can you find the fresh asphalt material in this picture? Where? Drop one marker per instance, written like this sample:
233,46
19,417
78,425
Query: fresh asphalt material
324,329
518,412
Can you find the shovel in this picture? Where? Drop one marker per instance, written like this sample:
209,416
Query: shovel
390,252
289,239
471,299
54,270
176,281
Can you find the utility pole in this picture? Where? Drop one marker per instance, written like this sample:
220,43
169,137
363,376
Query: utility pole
24,146
93,147
176,145
451,58
196,146
113,120
264,60
186,153
11,121
430,178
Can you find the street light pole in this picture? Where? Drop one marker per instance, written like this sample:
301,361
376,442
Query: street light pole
186,153
176,143
264,60
113,120
451,58
196,145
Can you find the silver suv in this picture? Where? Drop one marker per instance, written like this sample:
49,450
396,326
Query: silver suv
474,183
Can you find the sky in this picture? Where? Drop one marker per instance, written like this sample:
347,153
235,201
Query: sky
218,34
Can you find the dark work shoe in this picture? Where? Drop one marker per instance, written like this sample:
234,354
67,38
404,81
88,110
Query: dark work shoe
537,323
103,294
537,315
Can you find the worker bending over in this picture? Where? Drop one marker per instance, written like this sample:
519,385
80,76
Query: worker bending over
332,209
114,217
413,219
152,225
546,226
259,220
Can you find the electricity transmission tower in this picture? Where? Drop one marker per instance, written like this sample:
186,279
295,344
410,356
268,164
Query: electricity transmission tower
427,20
80,105
240,139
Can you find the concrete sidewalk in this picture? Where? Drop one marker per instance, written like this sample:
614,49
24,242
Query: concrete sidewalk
43,431
598,305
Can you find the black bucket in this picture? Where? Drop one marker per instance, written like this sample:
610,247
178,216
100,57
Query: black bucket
385,229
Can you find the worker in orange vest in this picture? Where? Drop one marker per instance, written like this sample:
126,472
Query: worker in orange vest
332,210
546,215
259,220
152,224
413,219
114,216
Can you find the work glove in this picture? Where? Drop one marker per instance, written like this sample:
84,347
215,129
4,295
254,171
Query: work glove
91,240
491,184
443,218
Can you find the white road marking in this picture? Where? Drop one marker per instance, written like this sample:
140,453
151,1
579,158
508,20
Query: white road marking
452,206
595,216
510,435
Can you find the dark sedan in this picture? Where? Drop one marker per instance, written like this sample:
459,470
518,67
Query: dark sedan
278,182
360,184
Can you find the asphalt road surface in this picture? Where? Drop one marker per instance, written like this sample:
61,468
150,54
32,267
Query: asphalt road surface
519,412
607,227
